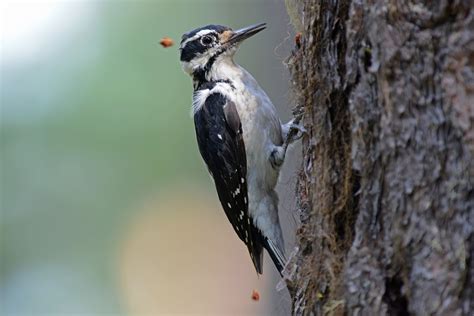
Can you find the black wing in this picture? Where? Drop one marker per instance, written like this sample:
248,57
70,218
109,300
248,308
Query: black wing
220,140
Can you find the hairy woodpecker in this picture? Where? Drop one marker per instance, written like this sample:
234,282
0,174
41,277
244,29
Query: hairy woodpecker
239,135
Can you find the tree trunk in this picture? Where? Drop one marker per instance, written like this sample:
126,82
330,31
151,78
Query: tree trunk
386,198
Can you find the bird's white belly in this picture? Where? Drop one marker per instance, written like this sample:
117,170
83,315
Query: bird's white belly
262,131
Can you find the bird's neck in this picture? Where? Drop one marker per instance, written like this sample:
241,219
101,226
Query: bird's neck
221,70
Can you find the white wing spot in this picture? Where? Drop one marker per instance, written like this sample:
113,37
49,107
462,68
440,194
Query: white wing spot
236,192
242,180
228,204
245,200
220,136
241,215
248,220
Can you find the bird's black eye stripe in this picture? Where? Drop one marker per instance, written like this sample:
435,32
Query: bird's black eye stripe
197,46
207,40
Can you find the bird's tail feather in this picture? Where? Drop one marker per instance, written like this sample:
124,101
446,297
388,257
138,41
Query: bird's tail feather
256,253
276,254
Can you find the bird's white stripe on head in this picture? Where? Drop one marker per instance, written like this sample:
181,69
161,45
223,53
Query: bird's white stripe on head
196,36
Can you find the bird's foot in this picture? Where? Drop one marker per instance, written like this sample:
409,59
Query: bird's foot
277,156
293,131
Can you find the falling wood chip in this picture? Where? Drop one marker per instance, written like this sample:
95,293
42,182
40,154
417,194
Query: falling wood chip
255,295
166,42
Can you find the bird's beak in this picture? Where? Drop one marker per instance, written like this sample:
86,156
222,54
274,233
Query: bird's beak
242,34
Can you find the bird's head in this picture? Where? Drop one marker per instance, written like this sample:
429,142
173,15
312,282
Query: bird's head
202,47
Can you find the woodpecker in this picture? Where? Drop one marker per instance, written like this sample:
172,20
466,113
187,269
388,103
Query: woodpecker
239,135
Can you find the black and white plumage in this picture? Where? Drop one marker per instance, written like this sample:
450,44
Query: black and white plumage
239,135
220,139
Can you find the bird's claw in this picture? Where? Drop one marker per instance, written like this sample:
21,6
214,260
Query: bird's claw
298,112
293,131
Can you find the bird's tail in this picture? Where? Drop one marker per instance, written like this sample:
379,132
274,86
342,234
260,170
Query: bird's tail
276,254
256,254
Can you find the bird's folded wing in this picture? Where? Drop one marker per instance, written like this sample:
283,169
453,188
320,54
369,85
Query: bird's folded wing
220,140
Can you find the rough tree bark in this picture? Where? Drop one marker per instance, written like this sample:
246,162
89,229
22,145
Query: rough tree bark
386,198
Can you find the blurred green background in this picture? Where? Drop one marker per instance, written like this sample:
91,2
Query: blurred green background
106,206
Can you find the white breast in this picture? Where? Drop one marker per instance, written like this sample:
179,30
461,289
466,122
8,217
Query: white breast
261,128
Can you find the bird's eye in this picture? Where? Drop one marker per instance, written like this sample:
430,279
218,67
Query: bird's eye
206,40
